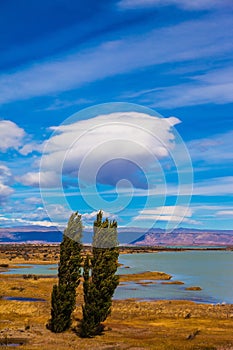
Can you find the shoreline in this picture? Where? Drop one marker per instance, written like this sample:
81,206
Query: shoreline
29,253
133,323
49,255
138,323
140,279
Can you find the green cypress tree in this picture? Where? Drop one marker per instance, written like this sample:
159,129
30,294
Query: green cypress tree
64,294
100,279
88,323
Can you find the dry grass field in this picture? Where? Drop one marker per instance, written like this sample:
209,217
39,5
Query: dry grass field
132,325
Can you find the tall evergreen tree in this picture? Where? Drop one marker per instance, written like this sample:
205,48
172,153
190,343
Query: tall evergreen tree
100,279
64,294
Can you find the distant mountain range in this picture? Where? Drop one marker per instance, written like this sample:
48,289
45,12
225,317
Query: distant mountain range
30,234
186,237
133,235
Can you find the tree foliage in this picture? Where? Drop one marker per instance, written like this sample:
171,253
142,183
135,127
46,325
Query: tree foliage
64,294
100,279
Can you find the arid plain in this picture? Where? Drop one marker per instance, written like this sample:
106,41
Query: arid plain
133,324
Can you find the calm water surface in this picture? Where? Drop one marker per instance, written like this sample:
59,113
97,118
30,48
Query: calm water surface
210,270
36,269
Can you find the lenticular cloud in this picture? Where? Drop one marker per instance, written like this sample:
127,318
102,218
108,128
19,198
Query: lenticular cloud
109,155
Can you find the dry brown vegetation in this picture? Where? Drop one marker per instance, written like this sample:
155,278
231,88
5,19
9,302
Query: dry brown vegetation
132,325
148,275
25,253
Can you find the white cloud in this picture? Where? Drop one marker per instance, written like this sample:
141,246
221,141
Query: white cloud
171,44
167,213
29,179
190,94
45,179
5,192
33,200
209,207
58,215
91,216
38,213
28,213
28,148
5,174
5,180
168,210
81,148
214,150
212,212
14,137
184,4
22,222
5,234
211,87
218,186
225,213
60,104
11,135
58,212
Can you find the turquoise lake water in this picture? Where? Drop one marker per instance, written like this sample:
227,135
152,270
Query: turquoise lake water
36,269
210,270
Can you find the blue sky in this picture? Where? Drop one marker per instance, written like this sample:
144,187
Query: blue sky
173,58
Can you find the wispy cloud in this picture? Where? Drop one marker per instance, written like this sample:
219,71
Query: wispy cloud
211,211
29,213
6,221
5,181
216,149
120,56
210,207
167,213
184,4
33,200
211,87
225,213
5,192
218,186
60,104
